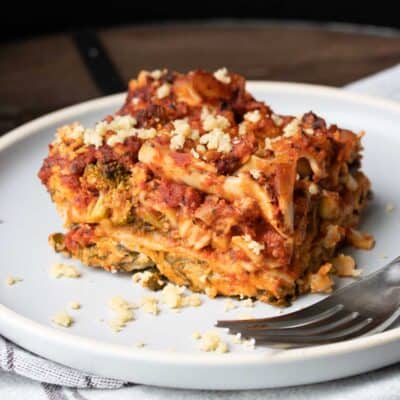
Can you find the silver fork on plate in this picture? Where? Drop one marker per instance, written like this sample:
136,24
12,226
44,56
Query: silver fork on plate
364,307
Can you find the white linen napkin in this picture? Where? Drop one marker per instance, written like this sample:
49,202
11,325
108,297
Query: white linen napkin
52,381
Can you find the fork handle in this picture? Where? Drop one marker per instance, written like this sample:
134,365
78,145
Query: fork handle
391,273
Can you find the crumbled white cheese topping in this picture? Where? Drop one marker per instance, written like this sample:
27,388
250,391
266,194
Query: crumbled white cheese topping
222,75
237,339
63,319
74,131
242,128
200,148
308,131
313,188
171,295
12,280
229,305
163,91
124,313
156,74
254,246
177,142
74,305
150,305
181,127
193,300
121,124
217,140
196,335
255,173
276,119
181,131
247,303
211,121
253,116
291,128
211,341
142,277
250,343
60,270
268,143
145,133
194,153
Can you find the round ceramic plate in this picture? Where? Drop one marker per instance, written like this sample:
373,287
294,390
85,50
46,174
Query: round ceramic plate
171,356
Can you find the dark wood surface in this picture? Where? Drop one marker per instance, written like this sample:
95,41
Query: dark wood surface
45,74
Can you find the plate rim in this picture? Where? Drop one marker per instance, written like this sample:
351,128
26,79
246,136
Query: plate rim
8,317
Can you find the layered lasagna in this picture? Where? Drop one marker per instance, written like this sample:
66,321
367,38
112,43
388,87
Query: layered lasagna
197,179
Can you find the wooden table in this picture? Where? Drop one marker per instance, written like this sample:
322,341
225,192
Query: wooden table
41,75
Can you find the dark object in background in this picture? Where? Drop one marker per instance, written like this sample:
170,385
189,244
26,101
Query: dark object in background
21,21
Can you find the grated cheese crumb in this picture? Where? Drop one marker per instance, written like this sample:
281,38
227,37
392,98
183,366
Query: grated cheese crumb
200,148
156,74
229,305
291,128
211,121
172,295
276,119
222,75
150,305
254,246
12,280
142,278
217,140
242,129
73,131
144,133
163,91
247,303
60,270
195,154
196,335
177,142
268,143
140,345
237,339
63,319
308,131
250,343
193,300
120,125
124,313
255,173
211,341
252,116
74,305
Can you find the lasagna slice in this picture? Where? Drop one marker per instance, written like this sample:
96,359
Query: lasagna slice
196,178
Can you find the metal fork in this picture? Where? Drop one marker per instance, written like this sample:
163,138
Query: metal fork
364,307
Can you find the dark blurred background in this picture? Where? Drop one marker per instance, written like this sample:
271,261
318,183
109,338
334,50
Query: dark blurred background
20,20
54,54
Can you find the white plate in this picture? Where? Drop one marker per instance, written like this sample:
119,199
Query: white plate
171,356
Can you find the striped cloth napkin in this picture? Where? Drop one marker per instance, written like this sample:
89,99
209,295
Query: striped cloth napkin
52,381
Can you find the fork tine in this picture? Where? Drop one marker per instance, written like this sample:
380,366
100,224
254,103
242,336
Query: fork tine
341,319
314,313
358,329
